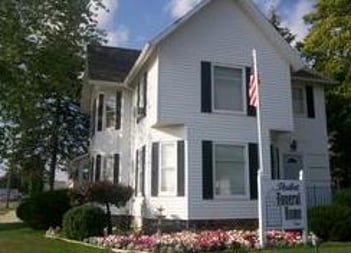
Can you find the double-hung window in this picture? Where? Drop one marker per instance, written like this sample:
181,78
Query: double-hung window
141,97
110,111
168,168
228,89
298,97
230,173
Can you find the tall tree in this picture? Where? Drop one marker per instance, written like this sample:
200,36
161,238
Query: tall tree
41,60
327,47
275,20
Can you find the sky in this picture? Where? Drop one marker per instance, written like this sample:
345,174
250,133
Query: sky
132,23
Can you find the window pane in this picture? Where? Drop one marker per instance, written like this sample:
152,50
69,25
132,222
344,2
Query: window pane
298,100
168,179
229,170
168,155
229,153
110,109
228,89
168,167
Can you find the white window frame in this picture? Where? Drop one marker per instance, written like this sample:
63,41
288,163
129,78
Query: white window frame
304,105
167,193
243,70
246,172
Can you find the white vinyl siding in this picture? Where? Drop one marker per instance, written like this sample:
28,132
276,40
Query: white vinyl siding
168,168
229,170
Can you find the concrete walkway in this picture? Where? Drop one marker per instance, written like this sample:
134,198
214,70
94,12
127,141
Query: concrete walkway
9,217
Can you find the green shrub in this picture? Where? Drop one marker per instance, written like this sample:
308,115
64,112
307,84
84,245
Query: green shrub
328,221
342,197
45,209
84,221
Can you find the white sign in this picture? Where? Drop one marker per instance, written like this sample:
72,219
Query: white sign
285,204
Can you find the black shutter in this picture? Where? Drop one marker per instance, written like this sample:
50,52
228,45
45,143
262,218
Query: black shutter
98,168
154,168
310,102
93,118
100,112
180,168
206,88
251,110
91,172
116,169
143,150
136,171
207,170
253,168
118,109
145,93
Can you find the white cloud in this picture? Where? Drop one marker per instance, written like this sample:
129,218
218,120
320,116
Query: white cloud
295,20
118,37
178,8
265,5
105,17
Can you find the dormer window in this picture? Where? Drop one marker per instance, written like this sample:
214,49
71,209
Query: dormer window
141,97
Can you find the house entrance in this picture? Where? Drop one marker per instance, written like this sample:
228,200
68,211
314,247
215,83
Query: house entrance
292,164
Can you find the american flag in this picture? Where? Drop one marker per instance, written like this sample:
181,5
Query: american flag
253,89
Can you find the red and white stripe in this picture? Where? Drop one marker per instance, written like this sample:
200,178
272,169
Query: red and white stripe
253,90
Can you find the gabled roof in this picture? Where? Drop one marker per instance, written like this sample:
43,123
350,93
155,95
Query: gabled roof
307,74
255,14
110,64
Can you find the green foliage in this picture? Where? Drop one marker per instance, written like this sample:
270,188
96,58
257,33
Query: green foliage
342,197
327,47
42,58
45,209
330,222
275,20
104,193
83,222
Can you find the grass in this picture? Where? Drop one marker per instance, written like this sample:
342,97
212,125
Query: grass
16,238
329,247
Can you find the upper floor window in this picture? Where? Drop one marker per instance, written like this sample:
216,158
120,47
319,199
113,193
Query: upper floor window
141,97
298,98
228,89
230,170
110,111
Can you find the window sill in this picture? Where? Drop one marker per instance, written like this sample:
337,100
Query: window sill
231,198
233,113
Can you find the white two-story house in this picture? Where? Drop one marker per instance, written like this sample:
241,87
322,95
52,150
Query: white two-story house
173,120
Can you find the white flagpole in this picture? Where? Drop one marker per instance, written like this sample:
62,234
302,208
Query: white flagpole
260,175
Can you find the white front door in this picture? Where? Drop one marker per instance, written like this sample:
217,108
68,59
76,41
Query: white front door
292,165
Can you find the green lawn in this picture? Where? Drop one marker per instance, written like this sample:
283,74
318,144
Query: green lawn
16,238
325,248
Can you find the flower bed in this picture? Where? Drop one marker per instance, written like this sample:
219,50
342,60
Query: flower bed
187,241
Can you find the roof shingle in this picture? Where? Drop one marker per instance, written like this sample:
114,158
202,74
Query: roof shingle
110,63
